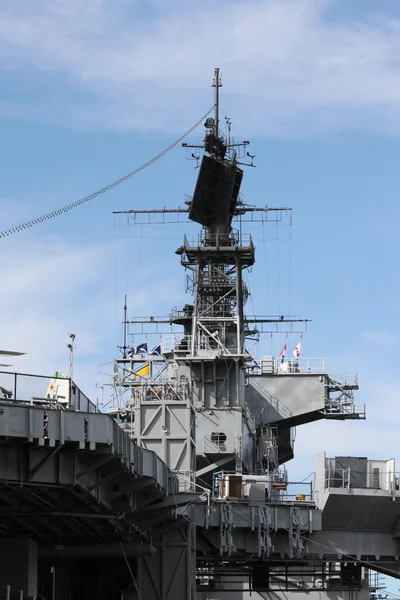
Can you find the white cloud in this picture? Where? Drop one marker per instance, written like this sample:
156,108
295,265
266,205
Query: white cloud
52,286
49,289
354,438
287,67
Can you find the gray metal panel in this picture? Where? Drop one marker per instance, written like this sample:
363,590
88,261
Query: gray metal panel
224,420
357,512
14,422
170,573
247,515
361,544
358,470
285,396
54,427
103,429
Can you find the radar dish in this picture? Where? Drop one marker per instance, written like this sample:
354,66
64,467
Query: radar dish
216,193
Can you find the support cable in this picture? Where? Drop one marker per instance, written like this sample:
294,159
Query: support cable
266,268
107,188
130,571
278,269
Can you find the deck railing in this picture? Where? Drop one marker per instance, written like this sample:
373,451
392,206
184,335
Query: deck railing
300,366
54,390
217,444
351,479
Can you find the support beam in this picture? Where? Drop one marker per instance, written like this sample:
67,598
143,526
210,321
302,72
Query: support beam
97,465
104,480
170,573
44,460
214,465
131,549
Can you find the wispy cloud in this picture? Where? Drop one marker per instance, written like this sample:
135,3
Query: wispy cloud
53,286
288,68
379,337
49,290
354,438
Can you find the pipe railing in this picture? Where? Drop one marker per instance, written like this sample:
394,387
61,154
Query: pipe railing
55,391
352,479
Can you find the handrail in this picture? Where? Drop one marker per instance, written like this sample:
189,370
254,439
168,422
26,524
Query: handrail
28,388
344,379
228,446
274,402
374,480
231,240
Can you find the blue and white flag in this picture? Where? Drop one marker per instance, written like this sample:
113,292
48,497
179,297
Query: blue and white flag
156,351
140,349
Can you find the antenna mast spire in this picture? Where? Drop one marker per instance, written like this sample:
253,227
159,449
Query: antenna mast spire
216,84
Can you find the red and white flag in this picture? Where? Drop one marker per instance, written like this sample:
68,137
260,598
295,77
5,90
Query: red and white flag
283,352
296,351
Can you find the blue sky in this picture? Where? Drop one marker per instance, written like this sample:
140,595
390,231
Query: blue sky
88,92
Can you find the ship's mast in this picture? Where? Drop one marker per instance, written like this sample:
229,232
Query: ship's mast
217,83
202,404
206,363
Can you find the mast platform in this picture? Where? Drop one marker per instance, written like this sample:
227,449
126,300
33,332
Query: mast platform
223,249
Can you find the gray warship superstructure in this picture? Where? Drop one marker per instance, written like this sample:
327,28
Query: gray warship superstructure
181,491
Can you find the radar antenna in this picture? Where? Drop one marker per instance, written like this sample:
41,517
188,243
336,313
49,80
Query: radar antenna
215,144
217,83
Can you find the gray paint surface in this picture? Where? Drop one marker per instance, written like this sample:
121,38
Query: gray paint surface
285,396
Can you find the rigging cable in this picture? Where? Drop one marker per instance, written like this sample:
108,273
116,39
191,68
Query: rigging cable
107,188
278,268
130,571
290,266
266,267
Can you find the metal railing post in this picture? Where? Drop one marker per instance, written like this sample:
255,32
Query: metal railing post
53,573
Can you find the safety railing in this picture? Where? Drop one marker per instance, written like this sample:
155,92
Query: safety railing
185,481
182,344
56,391
177,312
219,443
297,491
7,593
353,479
177,342
159,390
345,407
249,418
231,240
345,379
376,581
277,404
208,279
300,366
270,365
